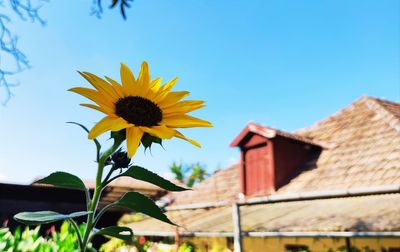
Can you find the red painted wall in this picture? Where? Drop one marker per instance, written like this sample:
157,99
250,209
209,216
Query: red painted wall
289,156
268,164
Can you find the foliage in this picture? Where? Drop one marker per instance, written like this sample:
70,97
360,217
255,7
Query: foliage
30,240
119,245
189,174
187,247
144,246
129,218
353,249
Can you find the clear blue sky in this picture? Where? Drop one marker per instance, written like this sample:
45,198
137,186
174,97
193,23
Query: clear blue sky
286,64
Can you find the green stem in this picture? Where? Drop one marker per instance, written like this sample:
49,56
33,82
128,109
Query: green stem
76,227
102,211
87,195
97,192
105,181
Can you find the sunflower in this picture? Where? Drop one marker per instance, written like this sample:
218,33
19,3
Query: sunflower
140,106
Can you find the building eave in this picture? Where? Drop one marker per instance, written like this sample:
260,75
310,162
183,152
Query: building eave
272,234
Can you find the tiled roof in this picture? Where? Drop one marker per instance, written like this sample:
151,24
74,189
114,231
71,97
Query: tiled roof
392,107
365,153
222,186
362,213
364,140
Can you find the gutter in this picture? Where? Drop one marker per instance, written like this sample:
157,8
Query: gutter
199,205
323,234
184,234
273,234
323,194
294,197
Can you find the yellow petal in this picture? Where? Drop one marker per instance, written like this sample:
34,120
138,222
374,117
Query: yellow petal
184,121
169,85
117,87
172,98
120,124
105,124
93,95
183,107
165,89
162,131
127,79
133,137
101,85
144,75
181,136
105,110
155,84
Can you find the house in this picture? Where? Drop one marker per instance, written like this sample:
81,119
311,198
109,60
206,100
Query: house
333,186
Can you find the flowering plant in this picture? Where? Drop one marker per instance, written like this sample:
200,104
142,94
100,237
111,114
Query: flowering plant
139,111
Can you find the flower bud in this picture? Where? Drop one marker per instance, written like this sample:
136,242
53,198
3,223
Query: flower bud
120,159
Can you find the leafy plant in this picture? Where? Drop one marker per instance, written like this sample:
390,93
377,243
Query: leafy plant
187,247
141,245
29,240
353,249
189,174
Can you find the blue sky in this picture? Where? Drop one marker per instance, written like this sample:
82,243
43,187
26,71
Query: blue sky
285,64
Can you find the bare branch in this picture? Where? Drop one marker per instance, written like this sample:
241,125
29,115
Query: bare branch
25,10
97,8
28,10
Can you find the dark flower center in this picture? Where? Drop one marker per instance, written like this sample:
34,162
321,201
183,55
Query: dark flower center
139,111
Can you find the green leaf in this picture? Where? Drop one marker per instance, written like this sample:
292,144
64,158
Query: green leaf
118,136
64,180
44,217
143,174
139,203
98,145
123,233
147,140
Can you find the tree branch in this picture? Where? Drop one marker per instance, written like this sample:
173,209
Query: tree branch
25,10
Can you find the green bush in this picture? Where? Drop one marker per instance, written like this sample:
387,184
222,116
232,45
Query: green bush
141,245
29,240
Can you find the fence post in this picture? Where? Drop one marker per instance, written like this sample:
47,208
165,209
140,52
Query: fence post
237,230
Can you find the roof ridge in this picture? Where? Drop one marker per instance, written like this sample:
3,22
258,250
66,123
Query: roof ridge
304,130
378,108
380,99
270,132
374,104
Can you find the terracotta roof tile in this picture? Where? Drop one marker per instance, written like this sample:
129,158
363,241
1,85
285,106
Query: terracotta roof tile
392,107
365,142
